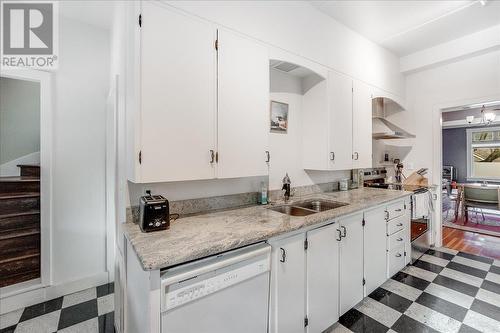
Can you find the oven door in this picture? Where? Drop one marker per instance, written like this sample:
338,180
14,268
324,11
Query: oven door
420,230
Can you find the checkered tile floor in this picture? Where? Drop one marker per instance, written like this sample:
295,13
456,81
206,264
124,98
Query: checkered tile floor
87,311
444,291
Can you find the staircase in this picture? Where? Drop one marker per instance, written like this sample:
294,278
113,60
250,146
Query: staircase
20,226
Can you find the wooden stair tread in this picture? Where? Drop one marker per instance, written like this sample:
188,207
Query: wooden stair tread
16,233
19,195
26,254
19,179
30,212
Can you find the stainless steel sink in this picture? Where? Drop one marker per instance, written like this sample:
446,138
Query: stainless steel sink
292,210
308,207
320,205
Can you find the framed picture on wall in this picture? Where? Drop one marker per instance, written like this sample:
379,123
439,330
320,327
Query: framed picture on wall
279,117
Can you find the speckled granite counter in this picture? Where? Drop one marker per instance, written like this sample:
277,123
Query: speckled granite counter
202,235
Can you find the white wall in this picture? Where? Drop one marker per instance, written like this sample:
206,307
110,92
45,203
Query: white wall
78,229
81,87
472,80
19,119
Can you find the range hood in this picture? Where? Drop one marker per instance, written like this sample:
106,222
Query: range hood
383,128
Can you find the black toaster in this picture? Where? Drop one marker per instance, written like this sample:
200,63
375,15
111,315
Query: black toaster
154,213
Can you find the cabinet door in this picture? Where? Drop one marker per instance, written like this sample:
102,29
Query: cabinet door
178,90
362,125
322,278
340,133
351,262
288,280
375,264
243,106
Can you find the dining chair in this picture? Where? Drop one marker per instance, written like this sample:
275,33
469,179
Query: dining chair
479,197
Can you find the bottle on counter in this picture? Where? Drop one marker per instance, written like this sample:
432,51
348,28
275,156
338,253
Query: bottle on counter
263,193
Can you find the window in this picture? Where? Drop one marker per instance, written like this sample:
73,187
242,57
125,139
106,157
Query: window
483,154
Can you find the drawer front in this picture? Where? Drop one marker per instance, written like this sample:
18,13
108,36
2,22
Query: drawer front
395,210
395,225
396,260
397,239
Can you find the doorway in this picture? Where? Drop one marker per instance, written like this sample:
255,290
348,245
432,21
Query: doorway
471,178
25,178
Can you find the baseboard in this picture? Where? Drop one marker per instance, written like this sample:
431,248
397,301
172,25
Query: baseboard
15,300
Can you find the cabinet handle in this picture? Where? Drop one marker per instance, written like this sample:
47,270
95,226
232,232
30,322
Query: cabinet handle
434,196
283,254
399,225
355,154
345,232
399,239
398,210
332,156
212,156
398,255
340,235
386,215
268,156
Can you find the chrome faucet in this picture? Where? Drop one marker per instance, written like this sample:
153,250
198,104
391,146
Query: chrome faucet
286,187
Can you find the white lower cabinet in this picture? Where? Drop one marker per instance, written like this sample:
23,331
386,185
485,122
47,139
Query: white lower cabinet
320,274
351,261
322,278
288,283
375,263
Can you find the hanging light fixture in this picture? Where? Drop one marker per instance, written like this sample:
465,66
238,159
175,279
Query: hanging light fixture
487,117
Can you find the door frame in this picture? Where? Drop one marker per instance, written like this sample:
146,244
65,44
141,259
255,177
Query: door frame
437,155
46,150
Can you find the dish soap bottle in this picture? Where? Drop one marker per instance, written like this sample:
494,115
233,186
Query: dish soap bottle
263,193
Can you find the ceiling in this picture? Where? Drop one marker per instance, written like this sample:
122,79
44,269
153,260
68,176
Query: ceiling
405,27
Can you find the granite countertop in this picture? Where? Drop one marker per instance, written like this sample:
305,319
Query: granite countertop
202,235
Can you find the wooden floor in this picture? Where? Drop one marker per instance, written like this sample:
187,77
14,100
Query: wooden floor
471,242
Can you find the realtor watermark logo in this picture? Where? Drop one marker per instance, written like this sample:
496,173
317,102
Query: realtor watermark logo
29,37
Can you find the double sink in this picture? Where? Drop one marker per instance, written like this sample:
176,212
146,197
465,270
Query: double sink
308,207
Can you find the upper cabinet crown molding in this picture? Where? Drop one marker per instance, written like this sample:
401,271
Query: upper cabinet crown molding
198,99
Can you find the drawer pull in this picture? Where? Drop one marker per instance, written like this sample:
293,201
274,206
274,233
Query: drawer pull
398,210
283,255
398,255
399,224
400,239
340,235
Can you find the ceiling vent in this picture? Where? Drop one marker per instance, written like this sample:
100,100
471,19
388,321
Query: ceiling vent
283,66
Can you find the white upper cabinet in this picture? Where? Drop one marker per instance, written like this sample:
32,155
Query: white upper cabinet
243,106
194,110
177,96
341,121
362,125
314,146
338,128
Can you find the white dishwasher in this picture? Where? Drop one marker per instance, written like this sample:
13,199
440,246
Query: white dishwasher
224,293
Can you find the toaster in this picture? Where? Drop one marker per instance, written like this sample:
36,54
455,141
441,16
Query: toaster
154,213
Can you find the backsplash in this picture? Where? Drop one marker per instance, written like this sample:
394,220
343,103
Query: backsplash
194,206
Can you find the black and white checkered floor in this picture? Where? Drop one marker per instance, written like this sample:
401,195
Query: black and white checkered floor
444,291
87,311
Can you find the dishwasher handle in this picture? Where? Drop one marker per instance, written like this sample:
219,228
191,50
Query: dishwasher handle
203,266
